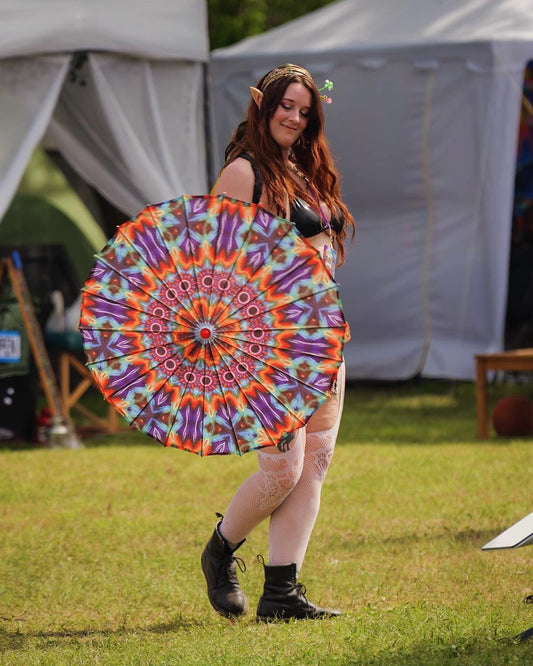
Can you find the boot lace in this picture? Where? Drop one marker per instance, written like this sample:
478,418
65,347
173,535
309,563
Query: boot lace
240,563
302,591
228,568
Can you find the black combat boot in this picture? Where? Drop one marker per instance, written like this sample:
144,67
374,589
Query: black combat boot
219,565
284,598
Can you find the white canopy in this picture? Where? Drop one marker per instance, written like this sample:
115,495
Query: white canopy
424,125
170,29
344,25
118,88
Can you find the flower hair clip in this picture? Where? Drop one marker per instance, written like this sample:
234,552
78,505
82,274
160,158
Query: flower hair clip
328,85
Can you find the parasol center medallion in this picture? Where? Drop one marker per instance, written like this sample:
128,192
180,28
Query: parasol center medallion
205,332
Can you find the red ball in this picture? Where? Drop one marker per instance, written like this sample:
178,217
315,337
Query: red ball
513,416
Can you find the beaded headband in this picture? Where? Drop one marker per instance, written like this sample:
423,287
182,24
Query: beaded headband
288,70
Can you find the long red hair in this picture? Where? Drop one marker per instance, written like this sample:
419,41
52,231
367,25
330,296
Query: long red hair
311,151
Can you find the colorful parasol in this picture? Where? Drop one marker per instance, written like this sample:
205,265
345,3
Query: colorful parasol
212,325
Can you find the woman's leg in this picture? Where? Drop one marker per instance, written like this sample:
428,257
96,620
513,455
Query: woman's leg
265,493
292,522
254,500
258,496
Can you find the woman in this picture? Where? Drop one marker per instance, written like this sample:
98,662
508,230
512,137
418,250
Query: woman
279,158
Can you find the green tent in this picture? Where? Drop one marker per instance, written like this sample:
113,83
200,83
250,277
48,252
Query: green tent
31,220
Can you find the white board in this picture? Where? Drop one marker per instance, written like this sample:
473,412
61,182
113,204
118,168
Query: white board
519,534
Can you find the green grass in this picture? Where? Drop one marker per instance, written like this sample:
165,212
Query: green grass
99,560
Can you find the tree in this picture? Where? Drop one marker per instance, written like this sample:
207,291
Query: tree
233,20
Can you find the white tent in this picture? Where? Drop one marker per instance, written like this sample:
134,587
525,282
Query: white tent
117,86
424,128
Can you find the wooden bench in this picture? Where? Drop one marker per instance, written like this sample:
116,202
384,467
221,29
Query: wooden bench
71,396
518,360
75,380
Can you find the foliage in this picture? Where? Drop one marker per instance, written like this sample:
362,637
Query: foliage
233,20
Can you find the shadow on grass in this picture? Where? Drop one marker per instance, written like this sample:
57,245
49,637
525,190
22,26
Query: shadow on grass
469,538
16,640
90,440
127,438
472,650
96,441
17,445
504,651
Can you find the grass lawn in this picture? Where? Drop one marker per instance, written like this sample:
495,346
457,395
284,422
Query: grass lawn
99,554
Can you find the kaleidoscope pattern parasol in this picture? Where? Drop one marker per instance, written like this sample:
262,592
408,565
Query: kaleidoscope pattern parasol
212,325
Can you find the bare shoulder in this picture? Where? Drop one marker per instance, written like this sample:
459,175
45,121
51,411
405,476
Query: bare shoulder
236,180
239,169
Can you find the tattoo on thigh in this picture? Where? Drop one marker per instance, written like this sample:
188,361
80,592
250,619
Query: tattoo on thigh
285,442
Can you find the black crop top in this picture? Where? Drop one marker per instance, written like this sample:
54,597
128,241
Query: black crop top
307,220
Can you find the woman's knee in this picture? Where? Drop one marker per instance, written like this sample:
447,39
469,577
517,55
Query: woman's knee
280,471
319,448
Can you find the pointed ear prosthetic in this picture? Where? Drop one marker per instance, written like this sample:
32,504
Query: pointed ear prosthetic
257,96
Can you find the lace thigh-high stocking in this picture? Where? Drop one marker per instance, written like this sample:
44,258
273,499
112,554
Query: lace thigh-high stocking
292,522
258,496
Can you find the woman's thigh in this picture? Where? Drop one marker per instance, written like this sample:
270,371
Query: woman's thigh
327,415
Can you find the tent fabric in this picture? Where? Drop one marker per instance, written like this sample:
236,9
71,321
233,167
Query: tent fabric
29,90
126,126
424,126
167,29
129,118
362,23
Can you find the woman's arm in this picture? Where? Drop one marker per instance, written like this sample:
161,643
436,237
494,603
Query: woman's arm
236,181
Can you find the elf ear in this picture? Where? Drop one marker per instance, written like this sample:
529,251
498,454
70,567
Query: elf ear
257,96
